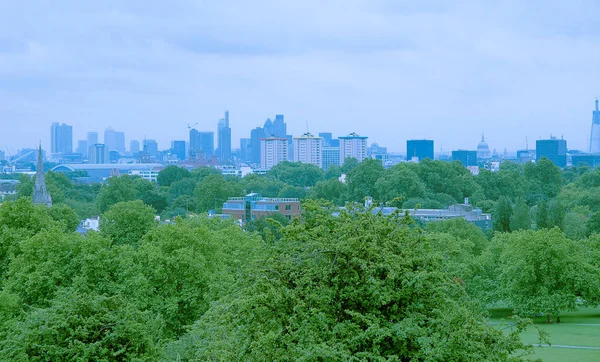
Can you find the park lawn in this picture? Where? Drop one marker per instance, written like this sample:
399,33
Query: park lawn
572,331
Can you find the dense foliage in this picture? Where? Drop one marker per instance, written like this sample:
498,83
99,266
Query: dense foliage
355,286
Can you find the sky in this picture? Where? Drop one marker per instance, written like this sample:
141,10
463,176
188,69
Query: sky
390,70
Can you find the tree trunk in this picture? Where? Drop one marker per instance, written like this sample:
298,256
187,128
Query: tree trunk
548,320
557,319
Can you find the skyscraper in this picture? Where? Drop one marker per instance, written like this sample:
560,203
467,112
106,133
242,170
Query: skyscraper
279,126
224,139
82,147
308,149
421,149
92,138
255,136
202,144
134,147
554,149
245,149
98,154
178,149
151,148
114,141
595,136
273,150
354,146
327,137
61,139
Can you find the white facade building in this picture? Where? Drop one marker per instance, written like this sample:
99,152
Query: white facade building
308,149
354,146
272,151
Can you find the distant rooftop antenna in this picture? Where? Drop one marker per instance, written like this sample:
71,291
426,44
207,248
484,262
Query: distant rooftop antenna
307,131
526,144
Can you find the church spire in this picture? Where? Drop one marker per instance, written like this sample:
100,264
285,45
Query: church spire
40,192
482,138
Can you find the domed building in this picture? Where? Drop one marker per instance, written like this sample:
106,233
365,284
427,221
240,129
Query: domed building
483,150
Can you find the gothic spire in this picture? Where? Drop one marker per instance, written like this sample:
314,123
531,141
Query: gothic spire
40,192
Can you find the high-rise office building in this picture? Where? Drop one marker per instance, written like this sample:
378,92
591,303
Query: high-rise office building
308,149
2,156
110,139
151,148
273,150
61,139
467,158
595,134
279,126
245,149
134,147
224,138
82,148
255,136
331,157
92,138
554,149
354,146
120,142
202,144
327,137
421,149
98,154
178,149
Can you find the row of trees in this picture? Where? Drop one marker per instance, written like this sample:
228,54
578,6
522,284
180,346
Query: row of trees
353,286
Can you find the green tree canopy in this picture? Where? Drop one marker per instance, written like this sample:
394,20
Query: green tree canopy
127,222
171,174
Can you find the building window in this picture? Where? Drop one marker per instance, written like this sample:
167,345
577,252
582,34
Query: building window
288,207
276,207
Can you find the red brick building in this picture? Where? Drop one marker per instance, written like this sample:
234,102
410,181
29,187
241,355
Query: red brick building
254,206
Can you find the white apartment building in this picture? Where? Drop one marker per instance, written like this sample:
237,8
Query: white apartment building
272,151
354,146
308,149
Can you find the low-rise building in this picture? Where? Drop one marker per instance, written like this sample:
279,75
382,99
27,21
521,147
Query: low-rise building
253,206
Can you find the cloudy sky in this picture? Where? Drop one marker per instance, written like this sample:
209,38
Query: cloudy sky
391,70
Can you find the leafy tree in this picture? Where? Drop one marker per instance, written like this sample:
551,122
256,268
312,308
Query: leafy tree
331,190
117,189
269,228
356,287
574,225
461,229
171,174
541,215
65,215
349,164
213,191
266,186
543,272
399,182
127,222
183,187
502,215
147,192
361,179
592,226
521,216
544,179
297,173
556,214
82,326
333,172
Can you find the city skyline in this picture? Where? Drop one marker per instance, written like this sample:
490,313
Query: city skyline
443,71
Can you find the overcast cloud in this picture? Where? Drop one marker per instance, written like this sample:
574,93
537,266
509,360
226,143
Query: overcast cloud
390,70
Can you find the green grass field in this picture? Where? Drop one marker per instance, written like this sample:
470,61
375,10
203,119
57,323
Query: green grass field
576,338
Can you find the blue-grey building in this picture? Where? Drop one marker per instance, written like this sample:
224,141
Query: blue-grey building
421,149
467,158
178,149
224,138
554,149
202,144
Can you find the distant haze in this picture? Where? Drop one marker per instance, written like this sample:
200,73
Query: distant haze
390,70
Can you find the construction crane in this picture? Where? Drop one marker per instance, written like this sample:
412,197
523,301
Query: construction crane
192,125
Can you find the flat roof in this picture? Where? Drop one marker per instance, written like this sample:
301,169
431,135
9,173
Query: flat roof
106,166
